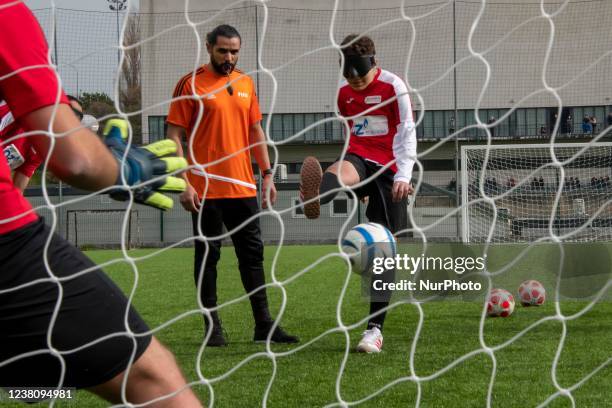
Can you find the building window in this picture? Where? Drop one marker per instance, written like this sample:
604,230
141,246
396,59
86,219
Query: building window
276,128
298,210
298,126
288,128
339,208
286,125
157,128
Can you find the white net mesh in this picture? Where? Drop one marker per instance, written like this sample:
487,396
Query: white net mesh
484,56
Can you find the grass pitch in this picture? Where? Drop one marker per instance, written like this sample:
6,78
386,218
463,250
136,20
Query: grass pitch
308,376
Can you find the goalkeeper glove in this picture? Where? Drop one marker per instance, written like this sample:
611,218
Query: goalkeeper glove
141,164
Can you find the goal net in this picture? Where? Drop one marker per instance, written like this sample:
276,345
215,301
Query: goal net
526,192
477,72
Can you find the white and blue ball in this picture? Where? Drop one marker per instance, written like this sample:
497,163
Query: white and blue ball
364,242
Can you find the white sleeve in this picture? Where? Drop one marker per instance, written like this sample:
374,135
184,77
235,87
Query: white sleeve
6,120
404,142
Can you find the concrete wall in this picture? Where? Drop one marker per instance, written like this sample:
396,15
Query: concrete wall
509,35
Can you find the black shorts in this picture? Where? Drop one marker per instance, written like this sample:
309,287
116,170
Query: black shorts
381,209
92,306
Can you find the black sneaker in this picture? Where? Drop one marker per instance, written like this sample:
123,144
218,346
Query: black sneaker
279,335
217,337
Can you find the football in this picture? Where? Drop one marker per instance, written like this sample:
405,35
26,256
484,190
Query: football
500,303
531,293
367,241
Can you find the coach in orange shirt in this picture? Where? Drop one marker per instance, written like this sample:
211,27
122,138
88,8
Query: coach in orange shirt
216,110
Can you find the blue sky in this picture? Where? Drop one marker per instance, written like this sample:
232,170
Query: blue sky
86,42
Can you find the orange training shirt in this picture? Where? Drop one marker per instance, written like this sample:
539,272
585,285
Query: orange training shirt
222,131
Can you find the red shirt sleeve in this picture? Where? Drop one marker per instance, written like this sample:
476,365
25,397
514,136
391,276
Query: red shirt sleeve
33,160
341,109
24,48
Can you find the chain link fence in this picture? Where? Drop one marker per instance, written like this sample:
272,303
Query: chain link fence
84,45
98,221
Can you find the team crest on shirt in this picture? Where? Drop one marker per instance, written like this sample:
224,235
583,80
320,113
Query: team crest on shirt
370,126
373,99
13,157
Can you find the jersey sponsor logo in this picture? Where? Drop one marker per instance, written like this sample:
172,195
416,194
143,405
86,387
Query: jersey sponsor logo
370,126
243,94
373,99
6,121
13,157
349,100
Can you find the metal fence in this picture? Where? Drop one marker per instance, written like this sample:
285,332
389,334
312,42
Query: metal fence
98,221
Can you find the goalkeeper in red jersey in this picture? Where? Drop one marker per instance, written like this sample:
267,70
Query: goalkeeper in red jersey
61,328
382,135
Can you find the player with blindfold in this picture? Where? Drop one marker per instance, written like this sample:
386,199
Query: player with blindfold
382,131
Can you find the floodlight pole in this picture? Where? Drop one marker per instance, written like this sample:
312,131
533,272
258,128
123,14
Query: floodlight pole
456,119
55,43
56,62
77,78
118,43
117,6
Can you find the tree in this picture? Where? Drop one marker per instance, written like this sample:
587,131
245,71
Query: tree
130,96
98,104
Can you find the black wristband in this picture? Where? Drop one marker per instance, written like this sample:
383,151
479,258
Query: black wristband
267,172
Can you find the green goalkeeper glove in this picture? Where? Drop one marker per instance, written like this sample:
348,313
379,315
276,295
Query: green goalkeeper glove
141,164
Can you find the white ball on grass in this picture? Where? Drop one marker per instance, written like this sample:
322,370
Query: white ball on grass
376,240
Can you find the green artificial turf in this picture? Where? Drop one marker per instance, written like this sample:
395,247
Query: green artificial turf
308,375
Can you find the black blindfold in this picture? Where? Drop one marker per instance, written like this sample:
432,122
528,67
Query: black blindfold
357,65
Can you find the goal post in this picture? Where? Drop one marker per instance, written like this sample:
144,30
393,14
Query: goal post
524,183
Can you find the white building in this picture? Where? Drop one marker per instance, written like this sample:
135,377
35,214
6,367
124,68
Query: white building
506,54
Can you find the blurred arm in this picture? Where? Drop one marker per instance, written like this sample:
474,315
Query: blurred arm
189,199
20,180
257,135
177,134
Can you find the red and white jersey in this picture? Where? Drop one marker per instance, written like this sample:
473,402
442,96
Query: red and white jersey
381,122
19,152
28,82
